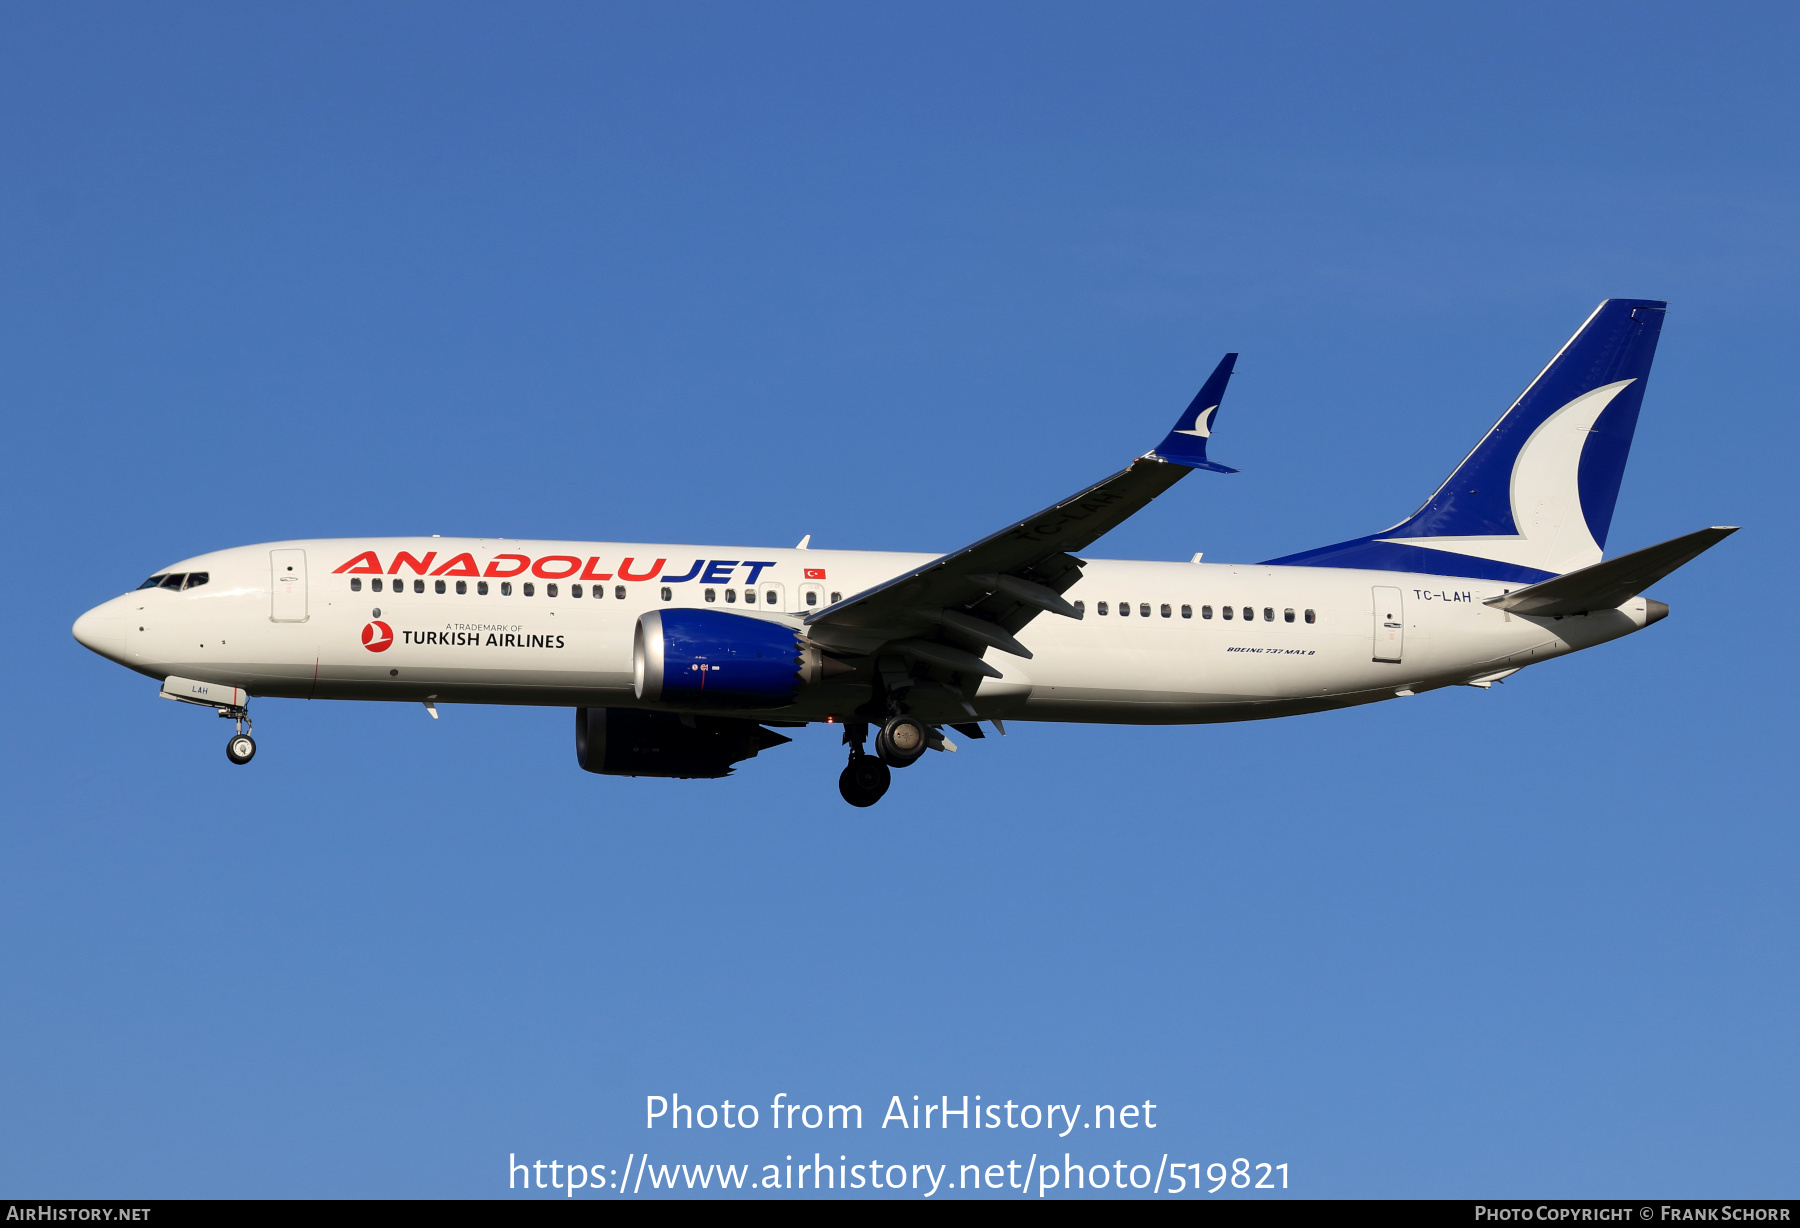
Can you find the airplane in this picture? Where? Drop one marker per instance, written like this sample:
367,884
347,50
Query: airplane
682,661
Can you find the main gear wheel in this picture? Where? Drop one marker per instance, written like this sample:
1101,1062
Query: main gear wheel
864,781
901,741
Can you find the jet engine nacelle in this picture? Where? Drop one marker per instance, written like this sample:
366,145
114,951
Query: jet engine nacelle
711,659
632,742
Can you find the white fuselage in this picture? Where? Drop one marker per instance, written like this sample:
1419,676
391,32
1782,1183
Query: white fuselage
299,620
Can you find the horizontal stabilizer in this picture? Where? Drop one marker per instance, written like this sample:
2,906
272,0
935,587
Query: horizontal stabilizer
1608,585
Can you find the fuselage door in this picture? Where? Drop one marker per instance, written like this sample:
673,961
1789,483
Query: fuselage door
812,598
287,583
774,598
1390,625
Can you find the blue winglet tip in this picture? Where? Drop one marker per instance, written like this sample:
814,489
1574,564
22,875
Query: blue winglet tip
1186,443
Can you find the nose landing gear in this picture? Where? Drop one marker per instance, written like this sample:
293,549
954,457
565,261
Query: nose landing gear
241,747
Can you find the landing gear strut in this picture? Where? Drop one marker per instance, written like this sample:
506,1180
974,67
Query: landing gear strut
866,778
241,748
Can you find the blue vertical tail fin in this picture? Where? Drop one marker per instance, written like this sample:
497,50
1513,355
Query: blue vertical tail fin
1535,498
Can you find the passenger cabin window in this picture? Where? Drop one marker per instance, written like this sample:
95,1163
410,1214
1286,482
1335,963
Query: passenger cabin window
731,596
462,588
375,585
549,590
1205,611
1287,616
836,597
356,584
668,594
618,591
528,588
1310,617
418,585
1249,614
1124,609
506,588
1144,609
712,594
574,590
812,598
769,597
1166,611
1268,614
1081,608
440,587
481,588
1100,607
1227,612
1187,611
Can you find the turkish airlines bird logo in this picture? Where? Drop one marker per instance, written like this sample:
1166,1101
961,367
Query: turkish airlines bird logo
1202,423
378,637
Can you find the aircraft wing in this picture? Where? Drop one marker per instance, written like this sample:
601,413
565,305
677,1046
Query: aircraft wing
952,609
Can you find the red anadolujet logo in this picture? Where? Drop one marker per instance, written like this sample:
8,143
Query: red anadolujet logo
378,637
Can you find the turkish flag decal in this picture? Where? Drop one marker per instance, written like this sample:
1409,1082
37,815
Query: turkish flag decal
815,573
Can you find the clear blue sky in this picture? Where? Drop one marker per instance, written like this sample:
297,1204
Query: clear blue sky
729,273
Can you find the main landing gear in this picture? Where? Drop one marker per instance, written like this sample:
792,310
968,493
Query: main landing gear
898,743
865,780
901,741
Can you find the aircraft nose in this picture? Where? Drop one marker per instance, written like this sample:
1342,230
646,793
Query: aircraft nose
102,630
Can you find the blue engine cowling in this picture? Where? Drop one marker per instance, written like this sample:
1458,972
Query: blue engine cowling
711,659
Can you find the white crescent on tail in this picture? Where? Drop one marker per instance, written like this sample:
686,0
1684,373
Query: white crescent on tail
1546,500
1202,423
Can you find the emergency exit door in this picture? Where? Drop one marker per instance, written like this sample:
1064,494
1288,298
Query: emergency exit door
1390,625
287,586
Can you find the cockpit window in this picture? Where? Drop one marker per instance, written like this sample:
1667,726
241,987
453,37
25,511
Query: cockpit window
176,581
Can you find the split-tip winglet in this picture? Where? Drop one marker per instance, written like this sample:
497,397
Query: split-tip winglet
1186,443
